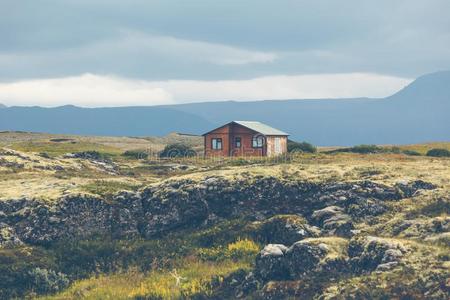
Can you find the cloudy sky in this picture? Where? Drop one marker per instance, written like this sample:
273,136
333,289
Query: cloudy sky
149,52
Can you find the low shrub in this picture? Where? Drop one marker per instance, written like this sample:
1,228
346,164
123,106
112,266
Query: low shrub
92,155
15,266
44,155
45,281
394,149
300,147
361,149
135,154
437,152
364,149
241,248
411,152
177,150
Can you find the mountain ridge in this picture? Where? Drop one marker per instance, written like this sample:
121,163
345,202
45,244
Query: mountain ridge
417,113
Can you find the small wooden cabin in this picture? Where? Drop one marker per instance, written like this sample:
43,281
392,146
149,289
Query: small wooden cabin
245,138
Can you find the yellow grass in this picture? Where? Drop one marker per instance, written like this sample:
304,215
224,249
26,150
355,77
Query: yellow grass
195,277
423,148
59,148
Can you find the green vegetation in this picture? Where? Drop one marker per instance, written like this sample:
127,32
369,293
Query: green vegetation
135,154
361,149
177,150
195,278
60,148
300,147
108,187
207,256
242,248
17,266
92,155
374,149
411,152
198,256
423,148
47,281
438,152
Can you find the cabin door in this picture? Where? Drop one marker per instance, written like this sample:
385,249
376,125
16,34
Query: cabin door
277,146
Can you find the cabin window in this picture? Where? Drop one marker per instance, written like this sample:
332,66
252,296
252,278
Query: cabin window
216,144
237,142
257,141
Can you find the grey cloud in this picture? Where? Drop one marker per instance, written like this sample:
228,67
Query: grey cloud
54,38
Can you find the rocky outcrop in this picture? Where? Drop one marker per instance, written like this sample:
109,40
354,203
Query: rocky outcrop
8,236
284,229
185,203
373,253
422,228
300,270
35,222
333,220
303,258
409,189
271,262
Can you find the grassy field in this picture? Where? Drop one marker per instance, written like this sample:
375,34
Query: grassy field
423,148
57,143
187,277
40,168
102,268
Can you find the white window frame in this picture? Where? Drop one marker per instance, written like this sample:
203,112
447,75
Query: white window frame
257,141
216,144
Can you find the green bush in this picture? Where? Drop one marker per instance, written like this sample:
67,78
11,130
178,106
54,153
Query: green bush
92,155
300,147
394,149
361,149
15,267
135,154
177,150
45,281
438,152
364,149
44,155
411,152
236,250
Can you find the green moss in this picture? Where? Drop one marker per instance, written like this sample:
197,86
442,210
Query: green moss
242,249
108,187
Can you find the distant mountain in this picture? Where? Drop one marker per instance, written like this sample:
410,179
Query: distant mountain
120,121
418,113
2,105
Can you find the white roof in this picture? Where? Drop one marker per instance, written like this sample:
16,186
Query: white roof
260,127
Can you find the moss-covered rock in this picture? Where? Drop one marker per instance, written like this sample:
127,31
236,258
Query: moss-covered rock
369,253
284,229
271,263
8,236
309,257
334,221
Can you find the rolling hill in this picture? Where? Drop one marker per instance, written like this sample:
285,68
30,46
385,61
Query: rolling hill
123,121
418,113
